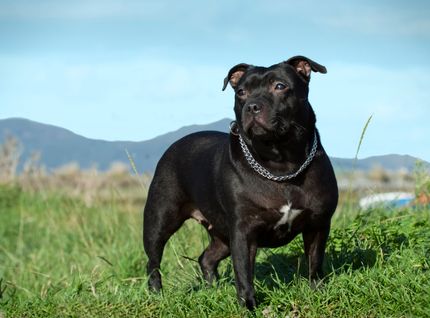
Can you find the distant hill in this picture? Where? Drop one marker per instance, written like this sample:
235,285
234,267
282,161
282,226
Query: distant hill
391,162
59,146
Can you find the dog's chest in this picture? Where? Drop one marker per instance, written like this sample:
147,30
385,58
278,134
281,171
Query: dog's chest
281,208
288,215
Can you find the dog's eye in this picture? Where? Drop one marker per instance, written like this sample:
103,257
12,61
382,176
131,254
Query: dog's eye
280,86
240,92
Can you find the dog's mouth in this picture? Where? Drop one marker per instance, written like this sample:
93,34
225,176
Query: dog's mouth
257,127
277,128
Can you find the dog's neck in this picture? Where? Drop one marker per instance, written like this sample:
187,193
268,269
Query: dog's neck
282,160
291,151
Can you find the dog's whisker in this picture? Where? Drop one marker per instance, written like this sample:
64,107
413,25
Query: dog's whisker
297,125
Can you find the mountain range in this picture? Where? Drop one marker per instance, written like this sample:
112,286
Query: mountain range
59,146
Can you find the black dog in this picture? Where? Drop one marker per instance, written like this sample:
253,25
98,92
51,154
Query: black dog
260,186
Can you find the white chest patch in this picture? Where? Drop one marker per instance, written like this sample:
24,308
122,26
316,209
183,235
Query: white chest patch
288,215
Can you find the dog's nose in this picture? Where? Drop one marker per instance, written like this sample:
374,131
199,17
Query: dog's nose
253,108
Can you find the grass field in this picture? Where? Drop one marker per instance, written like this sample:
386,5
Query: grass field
61,258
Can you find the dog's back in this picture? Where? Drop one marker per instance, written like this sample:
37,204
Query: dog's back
187,159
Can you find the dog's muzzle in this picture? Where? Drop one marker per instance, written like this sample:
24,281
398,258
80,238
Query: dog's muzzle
253,108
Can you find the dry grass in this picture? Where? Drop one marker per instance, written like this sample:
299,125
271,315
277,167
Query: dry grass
10,152
89,185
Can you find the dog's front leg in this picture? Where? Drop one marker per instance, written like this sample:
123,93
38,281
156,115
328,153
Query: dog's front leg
243,251
315,242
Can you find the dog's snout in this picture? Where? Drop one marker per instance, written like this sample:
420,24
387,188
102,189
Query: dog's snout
253,108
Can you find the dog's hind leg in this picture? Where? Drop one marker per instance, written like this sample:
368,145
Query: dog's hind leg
161,221
212,256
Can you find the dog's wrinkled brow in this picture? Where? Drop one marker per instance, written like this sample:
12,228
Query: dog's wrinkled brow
264,77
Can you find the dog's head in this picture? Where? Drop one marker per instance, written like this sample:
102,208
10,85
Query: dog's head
271,103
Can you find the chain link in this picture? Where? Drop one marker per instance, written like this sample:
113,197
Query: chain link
266,173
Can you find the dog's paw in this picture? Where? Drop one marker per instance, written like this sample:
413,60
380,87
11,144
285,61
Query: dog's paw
316,283
248,301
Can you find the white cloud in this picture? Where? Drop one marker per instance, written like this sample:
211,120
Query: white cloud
159,10
80,9
365,17
378,19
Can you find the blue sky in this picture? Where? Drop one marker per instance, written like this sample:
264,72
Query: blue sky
135,69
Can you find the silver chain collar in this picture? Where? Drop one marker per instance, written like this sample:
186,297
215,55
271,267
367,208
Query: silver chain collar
266,173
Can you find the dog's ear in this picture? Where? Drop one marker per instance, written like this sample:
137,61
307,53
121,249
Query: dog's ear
304,66
235,74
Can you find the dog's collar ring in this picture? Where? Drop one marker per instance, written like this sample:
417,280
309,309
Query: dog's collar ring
266,173
234,128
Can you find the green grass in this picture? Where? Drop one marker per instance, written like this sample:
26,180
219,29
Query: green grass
59,258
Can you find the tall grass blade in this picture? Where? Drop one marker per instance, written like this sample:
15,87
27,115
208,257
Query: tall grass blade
133,166
349,206
363,132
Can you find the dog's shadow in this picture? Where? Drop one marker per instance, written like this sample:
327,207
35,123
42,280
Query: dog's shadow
284,265
276,268
283,268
